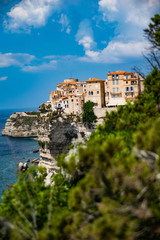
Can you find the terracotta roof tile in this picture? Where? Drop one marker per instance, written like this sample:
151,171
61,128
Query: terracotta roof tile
95,80
120,73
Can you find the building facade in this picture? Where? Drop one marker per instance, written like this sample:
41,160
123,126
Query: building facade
122,87
95,92
119,87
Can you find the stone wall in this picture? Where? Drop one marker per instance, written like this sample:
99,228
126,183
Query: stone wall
101,112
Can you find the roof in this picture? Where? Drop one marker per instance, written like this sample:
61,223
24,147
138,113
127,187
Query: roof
66,83
62,97
95,80
119,72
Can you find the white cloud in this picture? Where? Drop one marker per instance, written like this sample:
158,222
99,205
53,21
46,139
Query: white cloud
3,78
42,67
15,59
84,35
65,23
130,18
115,52
109,5
133,11
30,13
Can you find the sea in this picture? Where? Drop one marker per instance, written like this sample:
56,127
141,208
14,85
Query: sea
13,151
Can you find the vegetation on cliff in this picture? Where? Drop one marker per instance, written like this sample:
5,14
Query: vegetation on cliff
108,188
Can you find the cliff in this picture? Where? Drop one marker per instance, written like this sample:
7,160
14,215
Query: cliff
22,124
54,133
55,136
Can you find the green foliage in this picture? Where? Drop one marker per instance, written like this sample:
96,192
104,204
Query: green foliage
153,31
48,106
88,115
152,85
33,113
27,120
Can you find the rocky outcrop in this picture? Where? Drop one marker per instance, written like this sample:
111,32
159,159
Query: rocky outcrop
55,136
54,133
22,124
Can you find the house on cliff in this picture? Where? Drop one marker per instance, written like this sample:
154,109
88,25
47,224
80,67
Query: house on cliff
122,87
117,89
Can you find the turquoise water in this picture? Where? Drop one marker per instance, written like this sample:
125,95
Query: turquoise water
13,151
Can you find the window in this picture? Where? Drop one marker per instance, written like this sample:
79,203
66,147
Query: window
113,90
117,81
112,76
117,76
127,77
133,82
91,92
117,89
126,82
132,94
113,82
77,100
72,100
97,92
132,89
127,89
77,104
113,96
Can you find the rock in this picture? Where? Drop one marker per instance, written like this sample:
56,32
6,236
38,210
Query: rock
21,125
20,166
35,151
37,160
144,155
55,137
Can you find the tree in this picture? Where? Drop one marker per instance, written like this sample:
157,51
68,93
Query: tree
152,34
88,113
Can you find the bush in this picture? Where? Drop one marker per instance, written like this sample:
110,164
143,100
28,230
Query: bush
88,115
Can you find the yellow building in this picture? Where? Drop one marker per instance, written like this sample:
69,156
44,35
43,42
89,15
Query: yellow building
123,86
95,92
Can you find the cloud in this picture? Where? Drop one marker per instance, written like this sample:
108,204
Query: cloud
130,17
3,78
84,35
15,59
110,5
115,52
30,13
65,23
42,67
133,11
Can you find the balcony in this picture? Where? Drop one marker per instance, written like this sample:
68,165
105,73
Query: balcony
116,93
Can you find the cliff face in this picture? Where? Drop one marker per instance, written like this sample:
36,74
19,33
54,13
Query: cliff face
55,136
22,124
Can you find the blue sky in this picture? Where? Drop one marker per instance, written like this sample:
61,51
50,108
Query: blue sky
43,42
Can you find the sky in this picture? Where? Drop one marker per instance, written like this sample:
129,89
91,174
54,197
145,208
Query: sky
43,42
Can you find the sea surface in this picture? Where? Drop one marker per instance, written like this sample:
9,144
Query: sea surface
13,151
